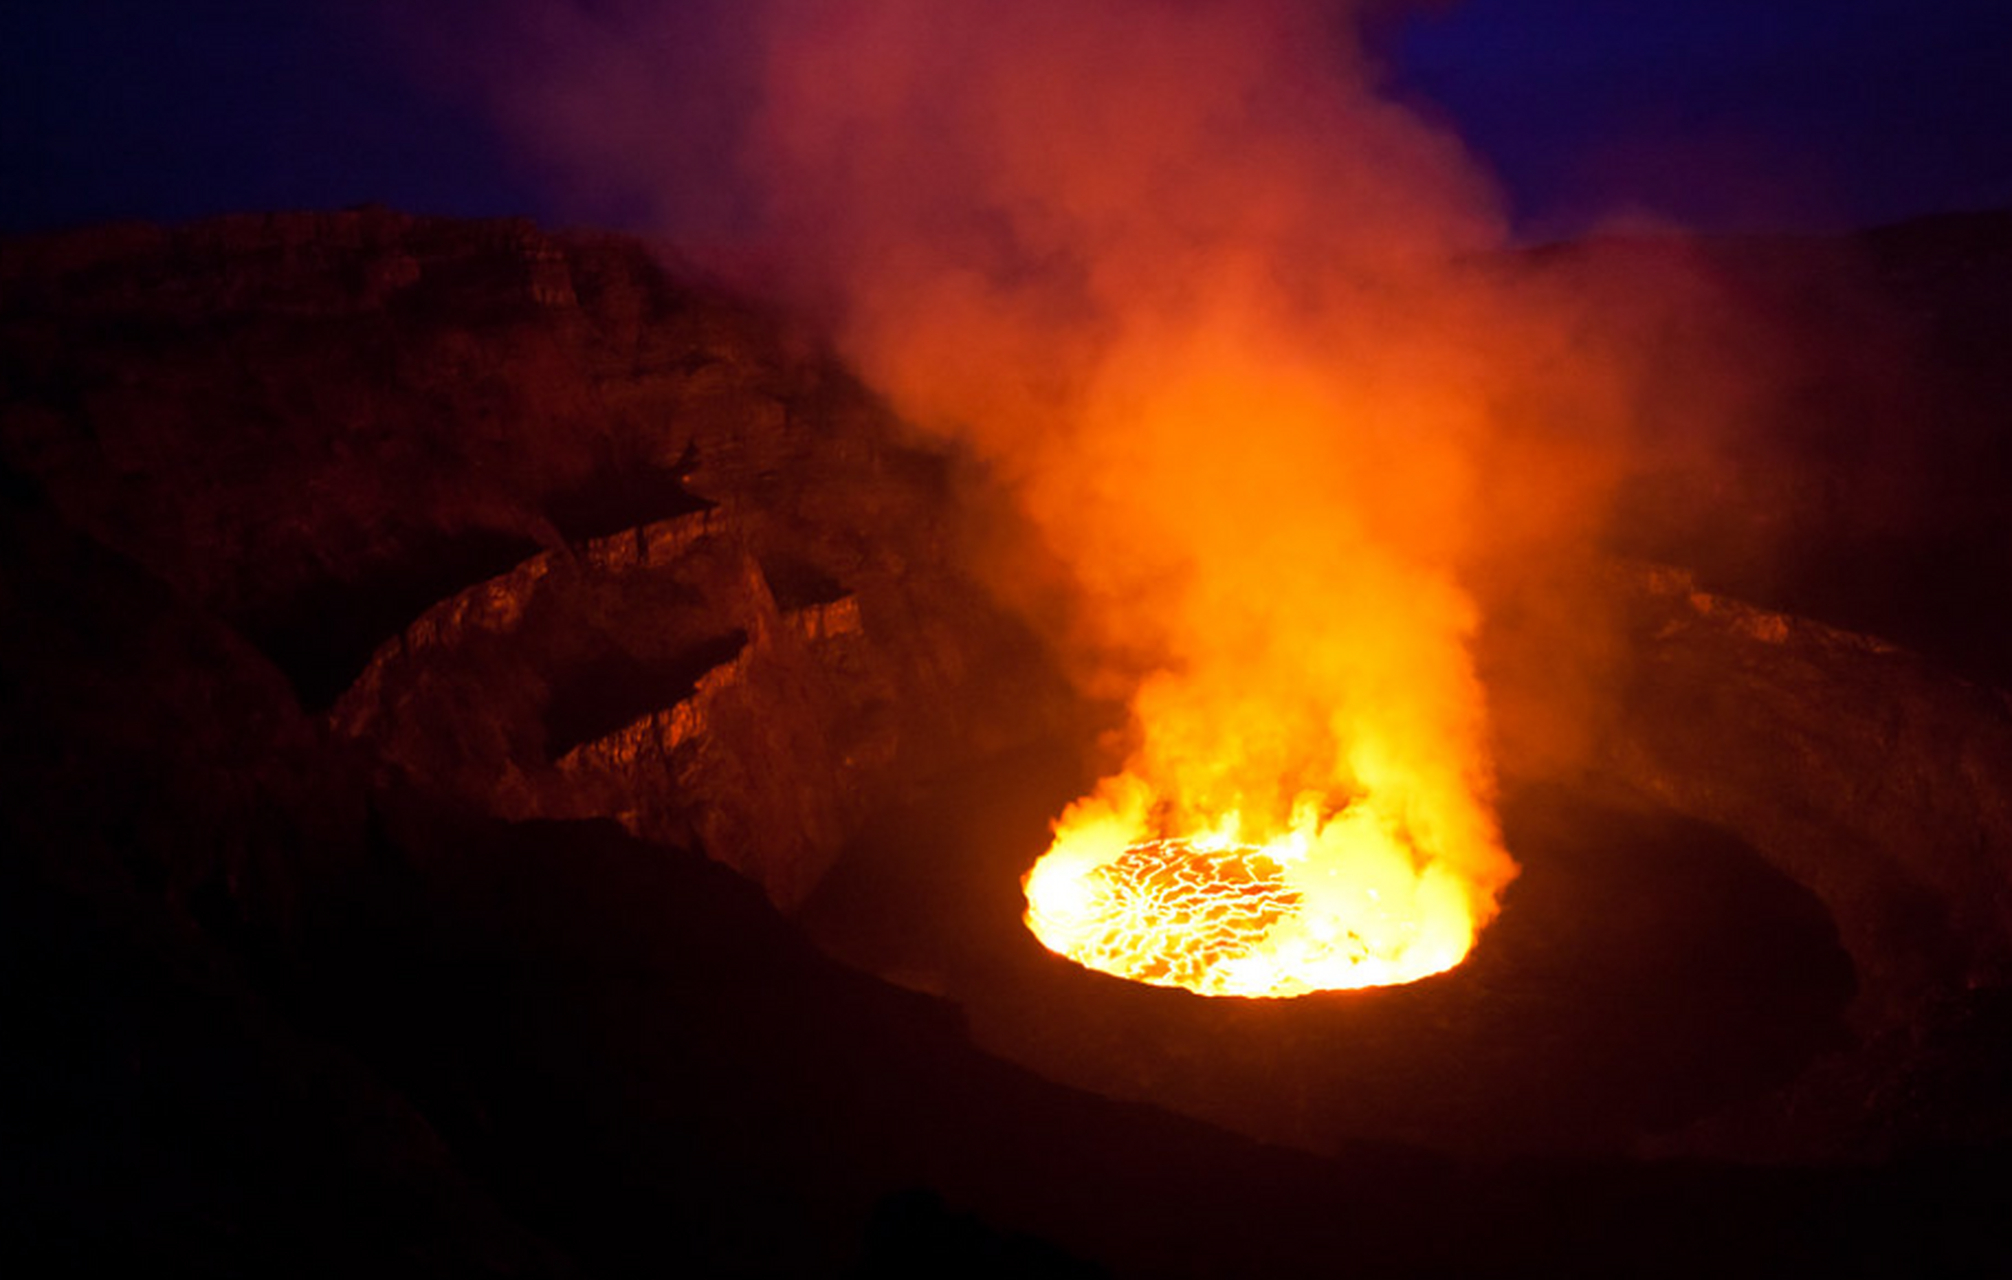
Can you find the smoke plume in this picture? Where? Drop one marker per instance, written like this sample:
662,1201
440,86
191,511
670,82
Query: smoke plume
1241,335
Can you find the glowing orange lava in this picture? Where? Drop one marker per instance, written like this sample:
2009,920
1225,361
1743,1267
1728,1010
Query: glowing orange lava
1345,902
1313,701
1179,914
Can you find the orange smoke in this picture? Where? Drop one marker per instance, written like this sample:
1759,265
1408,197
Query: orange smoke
1241,337
1198,294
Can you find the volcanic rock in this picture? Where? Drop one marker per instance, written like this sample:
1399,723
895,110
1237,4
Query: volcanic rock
434,651
549,531
1884,785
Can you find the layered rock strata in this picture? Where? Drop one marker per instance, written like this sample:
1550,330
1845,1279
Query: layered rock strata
543,529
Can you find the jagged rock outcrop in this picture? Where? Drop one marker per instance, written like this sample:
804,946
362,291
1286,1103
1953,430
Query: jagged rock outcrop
317,425
488,493
651,677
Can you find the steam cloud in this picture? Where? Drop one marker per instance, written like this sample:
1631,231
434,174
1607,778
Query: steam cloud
1240,334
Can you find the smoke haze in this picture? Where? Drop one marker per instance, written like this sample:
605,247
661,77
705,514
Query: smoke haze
1243,338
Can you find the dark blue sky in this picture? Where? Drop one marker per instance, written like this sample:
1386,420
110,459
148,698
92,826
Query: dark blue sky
1727,113
1719,113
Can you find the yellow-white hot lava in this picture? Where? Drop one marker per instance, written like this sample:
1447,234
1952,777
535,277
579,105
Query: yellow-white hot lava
1345,902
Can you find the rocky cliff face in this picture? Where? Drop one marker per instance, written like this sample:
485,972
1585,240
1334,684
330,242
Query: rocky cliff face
539,527
1880,782
651,677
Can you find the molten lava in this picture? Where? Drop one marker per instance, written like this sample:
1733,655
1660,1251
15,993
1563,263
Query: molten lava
1176,912
1349,902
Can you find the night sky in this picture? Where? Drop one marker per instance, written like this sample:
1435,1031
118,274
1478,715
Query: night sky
1711,113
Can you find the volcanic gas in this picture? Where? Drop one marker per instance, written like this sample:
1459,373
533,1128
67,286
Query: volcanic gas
1201,299
1237,334
1305,801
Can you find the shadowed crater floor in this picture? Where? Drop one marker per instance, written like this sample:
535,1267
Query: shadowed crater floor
1647,970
